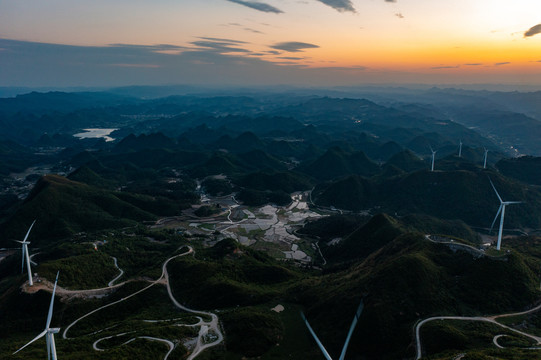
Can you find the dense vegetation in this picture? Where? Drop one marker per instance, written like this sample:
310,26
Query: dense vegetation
368,165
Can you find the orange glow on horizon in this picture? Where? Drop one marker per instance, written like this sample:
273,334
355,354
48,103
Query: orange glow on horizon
474,56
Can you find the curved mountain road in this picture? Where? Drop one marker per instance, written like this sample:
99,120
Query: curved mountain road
164,279
119,275
489,319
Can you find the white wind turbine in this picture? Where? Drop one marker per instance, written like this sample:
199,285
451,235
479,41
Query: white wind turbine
485,159
48,332
26,255
460,149
348,338
433,158
501,210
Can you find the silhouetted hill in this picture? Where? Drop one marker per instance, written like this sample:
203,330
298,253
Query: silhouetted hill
149,159
82,158
86,175
351,193
143,141
63,207
465,195
388,150
331,227
202,134
37,102
219,163
14,157
284,181
251,197
427,224
364,241
406,161
513,129
525,168
521,102
422,144
337,163
245,142
259,159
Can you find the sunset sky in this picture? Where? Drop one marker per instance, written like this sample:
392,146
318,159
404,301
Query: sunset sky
249,42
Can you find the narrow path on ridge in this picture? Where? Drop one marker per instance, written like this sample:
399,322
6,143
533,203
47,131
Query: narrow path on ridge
119,275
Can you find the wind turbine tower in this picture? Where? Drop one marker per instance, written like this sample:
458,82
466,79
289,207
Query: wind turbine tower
485,160
48,332
433,158
26,255
460,149
501,210
348,338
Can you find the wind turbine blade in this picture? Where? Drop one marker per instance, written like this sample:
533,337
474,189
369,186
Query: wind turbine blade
28,232
497,214
321,347
352,327
50,316
36,338
496,191
513,202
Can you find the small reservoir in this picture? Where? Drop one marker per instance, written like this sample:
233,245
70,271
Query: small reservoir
96,133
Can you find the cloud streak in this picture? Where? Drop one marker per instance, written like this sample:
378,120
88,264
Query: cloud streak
253,31
343,68
534,30
445,67
220,46
203,62
293,46
258,6
340,5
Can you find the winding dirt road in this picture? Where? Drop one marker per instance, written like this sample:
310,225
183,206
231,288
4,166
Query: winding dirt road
206,327
489,319
119,275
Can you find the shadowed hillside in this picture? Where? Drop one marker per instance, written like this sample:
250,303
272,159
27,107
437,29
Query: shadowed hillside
63,207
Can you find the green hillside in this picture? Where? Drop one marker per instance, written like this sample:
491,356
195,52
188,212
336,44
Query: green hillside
406,280
525,168
406,161
63,207
337,163
236,276
285,181
352,193
463,194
